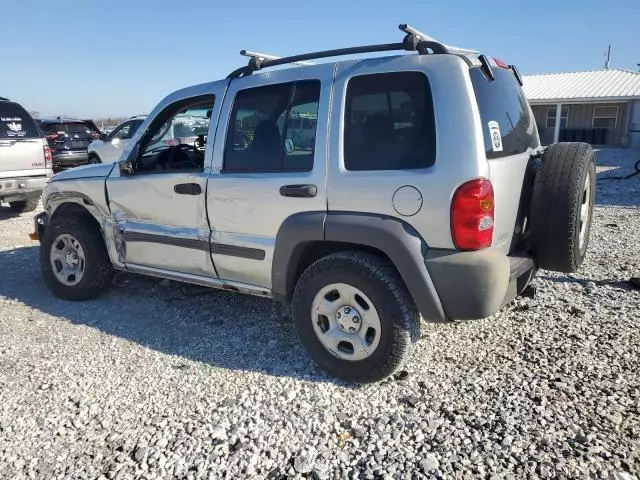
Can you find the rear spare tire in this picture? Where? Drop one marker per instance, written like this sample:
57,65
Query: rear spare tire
562,206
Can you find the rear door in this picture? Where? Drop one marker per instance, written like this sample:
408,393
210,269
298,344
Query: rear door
510,138
257,181
21,147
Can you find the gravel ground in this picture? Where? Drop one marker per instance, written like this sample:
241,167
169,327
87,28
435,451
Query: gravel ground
160,380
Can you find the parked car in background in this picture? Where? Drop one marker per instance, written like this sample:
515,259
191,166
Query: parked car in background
108,146
25,158
68,139
94,128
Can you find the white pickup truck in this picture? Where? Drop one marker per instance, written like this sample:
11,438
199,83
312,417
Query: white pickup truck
25,158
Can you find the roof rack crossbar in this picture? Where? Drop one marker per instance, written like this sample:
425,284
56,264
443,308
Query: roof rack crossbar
266,56
413,41
409,30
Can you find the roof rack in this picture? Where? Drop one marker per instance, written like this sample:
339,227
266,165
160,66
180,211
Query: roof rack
413,41
266,56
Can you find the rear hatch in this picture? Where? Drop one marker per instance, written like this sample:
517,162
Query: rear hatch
21,144
67,136
510,140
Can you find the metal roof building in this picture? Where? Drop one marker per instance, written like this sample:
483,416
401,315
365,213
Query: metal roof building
599,106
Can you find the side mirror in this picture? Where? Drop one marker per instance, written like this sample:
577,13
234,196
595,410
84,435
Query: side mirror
102,137
128,165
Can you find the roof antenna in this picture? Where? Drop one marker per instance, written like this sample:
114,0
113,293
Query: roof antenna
606,64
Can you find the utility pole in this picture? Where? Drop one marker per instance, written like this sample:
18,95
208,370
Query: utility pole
606,65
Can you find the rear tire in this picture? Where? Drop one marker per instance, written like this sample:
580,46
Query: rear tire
97,271
24,206
94,159
387,322
562,206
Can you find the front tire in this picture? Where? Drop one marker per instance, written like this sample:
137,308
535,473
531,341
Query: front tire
94,159
355,317
74,261
24,206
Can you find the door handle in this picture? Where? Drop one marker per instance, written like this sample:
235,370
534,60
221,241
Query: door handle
298,191
187,189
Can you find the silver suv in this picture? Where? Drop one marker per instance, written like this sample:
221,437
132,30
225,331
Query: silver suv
423,192
25,158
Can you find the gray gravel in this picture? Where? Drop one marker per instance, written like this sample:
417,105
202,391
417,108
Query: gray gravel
169,381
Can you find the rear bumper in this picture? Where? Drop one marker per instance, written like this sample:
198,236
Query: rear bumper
15,189
473,285
70,158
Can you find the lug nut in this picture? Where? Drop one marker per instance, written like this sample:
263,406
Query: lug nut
356,319
338,315
347,310
352,329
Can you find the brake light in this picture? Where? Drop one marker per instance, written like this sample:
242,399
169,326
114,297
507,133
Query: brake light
48,159
472,215
95,134
499,63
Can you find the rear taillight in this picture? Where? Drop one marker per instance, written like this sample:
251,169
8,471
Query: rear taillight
48,159
472,213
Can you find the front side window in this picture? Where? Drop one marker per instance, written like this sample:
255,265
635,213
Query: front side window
551,117
389,123
176,138
265,133
605,117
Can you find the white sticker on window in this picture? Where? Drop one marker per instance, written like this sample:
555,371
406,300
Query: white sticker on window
496,138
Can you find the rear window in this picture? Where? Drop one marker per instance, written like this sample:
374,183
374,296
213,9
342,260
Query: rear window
15,122
508,126
389,122
67,128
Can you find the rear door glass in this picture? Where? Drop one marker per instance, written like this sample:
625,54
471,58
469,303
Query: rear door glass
508,125
15,122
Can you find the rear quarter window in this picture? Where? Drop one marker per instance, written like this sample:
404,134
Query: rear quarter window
15,122
508,125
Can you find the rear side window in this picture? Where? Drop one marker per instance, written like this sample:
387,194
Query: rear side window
389,122
508,125
15,122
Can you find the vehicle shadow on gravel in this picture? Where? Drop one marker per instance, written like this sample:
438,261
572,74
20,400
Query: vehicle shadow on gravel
6,213
222,329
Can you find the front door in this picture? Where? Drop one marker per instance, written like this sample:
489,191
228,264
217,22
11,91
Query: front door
160,209
262,173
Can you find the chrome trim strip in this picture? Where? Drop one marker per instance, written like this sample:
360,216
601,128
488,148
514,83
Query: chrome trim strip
200,280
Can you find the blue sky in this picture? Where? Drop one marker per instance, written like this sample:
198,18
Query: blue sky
93,59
